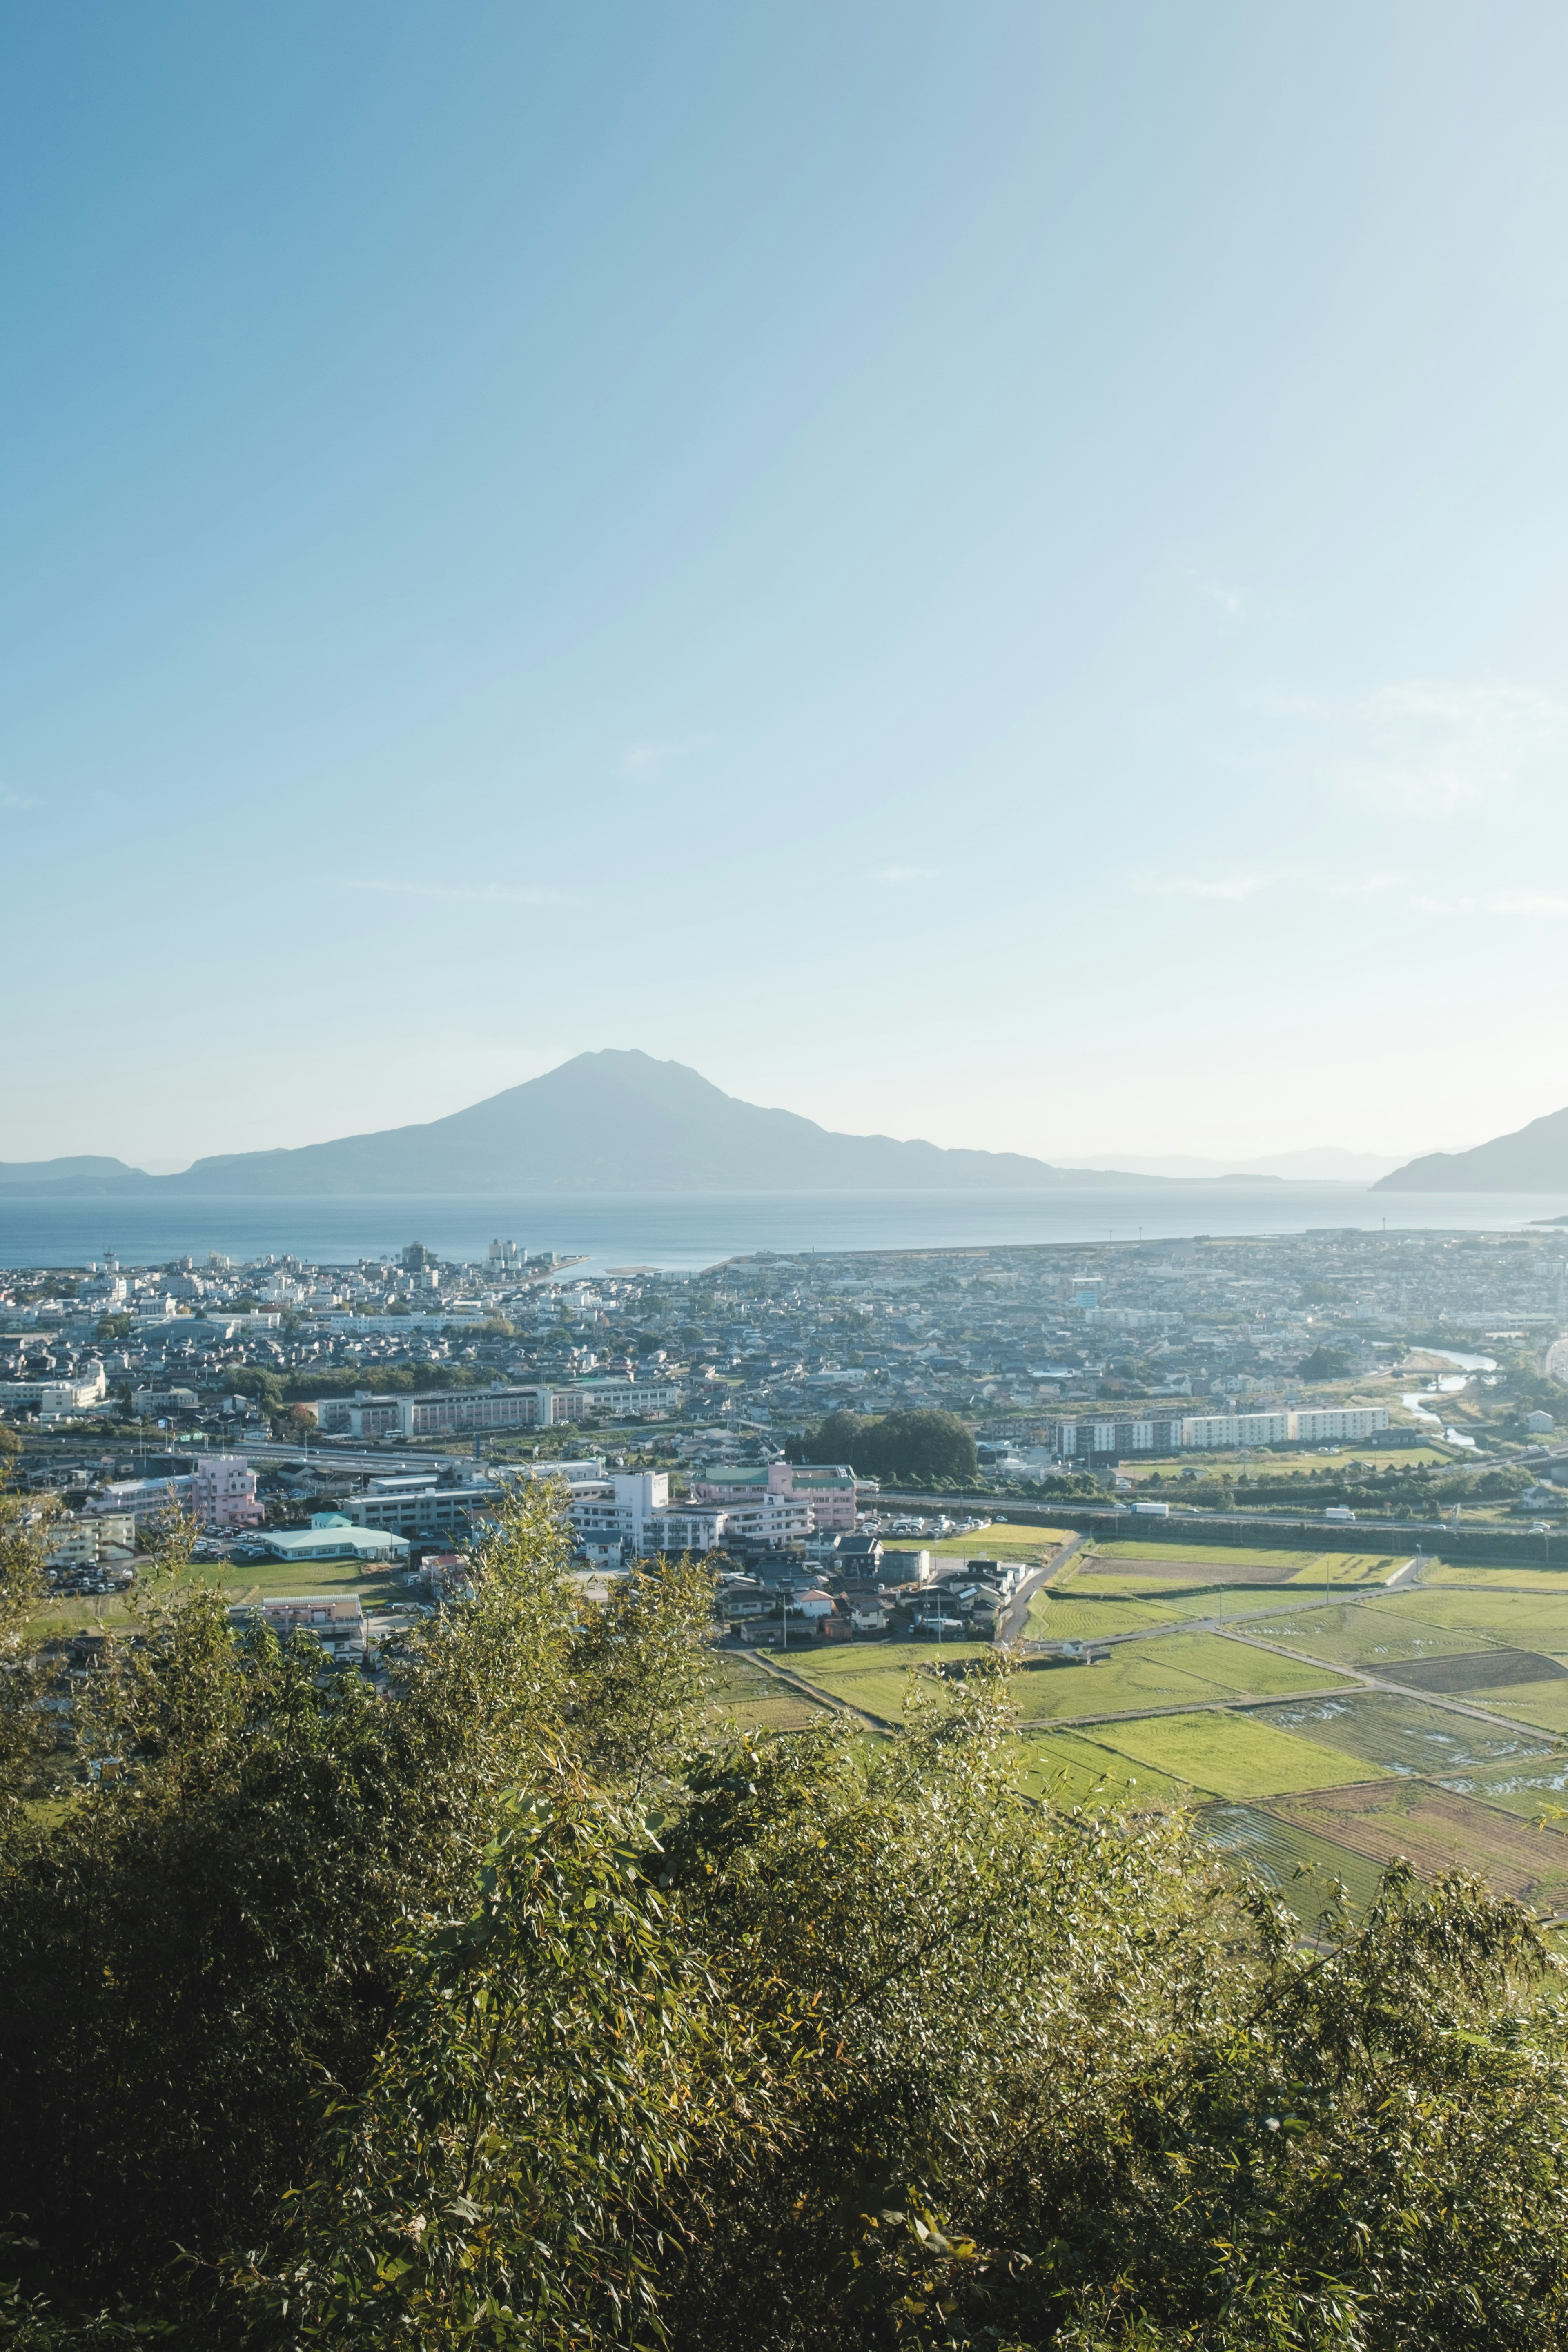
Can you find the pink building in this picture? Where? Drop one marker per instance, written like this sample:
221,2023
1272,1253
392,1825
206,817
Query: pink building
223,1492
827,1486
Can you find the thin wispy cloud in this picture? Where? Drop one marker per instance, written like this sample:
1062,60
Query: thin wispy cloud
653,755
1553,904
906,874
10,799
1526,902
1233,886
487,894
1434,749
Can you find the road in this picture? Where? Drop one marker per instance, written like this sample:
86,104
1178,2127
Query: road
1014,1618
1119,1522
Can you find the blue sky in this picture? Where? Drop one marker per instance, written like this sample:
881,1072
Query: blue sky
995,572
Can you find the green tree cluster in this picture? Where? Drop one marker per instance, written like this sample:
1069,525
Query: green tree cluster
919,1446
524,2008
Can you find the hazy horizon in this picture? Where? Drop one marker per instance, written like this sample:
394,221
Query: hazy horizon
1323,1162
990,575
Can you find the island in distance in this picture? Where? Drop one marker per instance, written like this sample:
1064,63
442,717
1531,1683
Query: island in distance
606,1122
618,1121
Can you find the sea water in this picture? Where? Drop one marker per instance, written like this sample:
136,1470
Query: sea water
682,1231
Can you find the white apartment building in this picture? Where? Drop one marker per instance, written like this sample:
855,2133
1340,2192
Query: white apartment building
57,1400
89,1543
141,1498
1237,1428
464,1413
1356,1422
635,1509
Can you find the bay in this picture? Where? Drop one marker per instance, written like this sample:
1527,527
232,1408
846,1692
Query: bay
680,1232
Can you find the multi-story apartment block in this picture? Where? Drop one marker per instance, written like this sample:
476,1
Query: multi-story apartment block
1100,1436
223,1492
828,1487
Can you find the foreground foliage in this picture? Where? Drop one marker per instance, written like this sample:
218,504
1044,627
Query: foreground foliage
504,2011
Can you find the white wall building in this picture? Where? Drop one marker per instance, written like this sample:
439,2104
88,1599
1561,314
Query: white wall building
1311,1427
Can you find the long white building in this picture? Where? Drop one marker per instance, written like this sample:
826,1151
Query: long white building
465,1413
1110,1436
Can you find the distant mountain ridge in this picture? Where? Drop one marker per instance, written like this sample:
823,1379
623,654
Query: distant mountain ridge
1534,1158
606,1122
89,1172
1324,1163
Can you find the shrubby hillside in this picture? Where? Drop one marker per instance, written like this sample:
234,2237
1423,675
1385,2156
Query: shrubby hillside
526,2009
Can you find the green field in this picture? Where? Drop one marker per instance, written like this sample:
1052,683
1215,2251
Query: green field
1407,1735
1526,1621
747,1697
1072,1770
1169,1670
1060,1616
1286,1558
1232,1755
251,1580
1000,1540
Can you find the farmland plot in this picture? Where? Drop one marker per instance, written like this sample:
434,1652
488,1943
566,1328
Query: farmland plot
1436,1831
1235,1755
1406,1735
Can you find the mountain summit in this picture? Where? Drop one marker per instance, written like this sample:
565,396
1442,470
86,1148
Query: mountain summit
606,1122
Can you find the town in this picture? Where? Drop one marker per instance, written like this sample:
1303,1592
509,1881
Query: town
378,1413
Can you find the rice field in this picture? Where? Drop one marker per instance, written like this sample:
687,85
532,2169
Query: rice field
1368,1634
1170,1670
1437,1830
1449,1576
1544,1705
1372,1569
1408,1736
1532,1789
1526,1620
874,1675
1000,1540
745,1696
1062,1616
1069,1769
1301,1868
1237,1756
1286,1559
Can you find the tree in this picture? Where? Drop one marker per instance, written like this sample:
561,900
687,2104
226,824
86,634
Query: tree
921,1446
218,1915
502,2012
1325,1363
